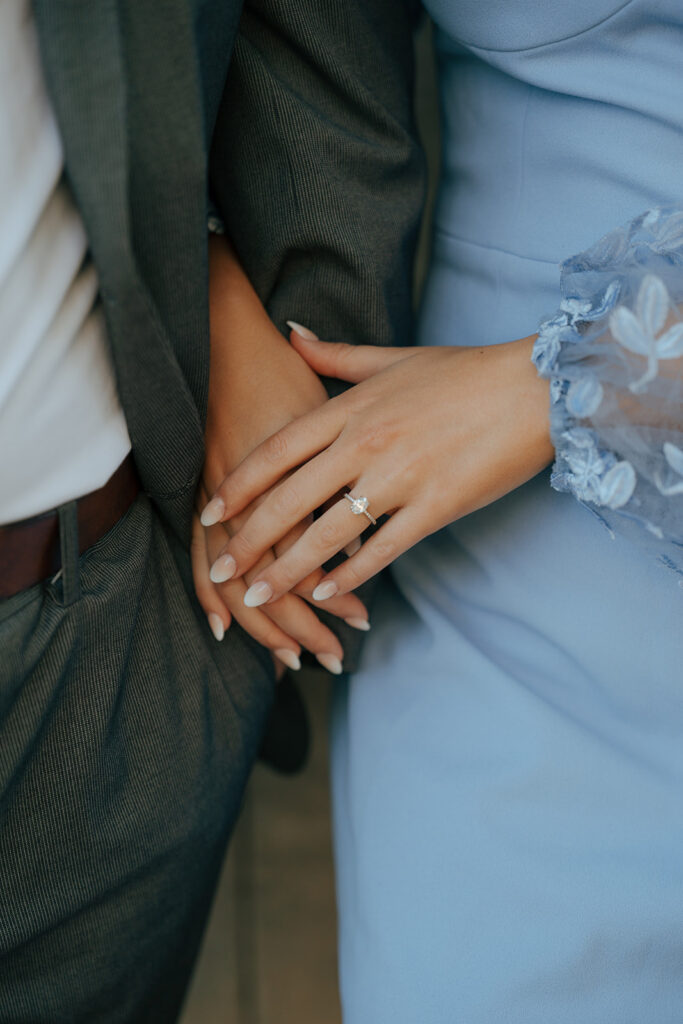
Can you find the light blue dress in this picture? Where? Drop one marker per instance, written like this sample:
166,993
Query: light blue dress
508,761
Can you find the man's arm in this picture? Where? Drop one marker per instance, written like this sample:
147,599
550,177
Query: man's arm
316,167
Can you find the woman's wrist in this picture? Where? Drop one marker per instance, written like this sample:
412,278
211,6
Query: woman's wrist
534,401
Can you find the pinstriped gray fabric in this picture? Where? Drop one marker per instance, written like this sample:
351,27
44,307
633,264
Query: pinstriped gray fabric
123,757
316,168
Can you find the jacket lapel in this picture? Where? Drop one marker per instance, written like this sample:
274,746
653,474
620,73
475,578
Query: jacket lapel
85,69
81,52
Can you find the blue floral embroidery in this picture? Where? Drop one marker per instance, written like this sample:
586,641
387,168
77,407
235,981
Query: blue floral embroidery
638,331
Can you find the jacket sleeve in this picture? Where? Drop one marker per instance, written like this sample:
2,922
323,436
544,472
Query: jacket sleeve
316,169
614,354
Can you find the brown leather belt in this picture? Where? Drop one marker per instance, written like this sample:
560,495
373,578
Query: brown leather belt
29,550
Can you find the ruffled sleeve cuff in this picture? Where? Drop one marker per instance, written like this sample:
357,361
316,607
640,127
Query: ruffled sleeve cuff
614,355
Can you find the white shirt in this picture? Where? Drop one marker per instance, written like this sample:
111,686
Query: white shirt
62,429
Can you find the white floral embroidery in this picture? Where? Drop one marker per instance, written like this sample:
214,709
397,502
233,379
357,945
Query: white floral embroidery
595,475
576,309
638,331
585,464
584,396
674,458
617,485
588,310
549,343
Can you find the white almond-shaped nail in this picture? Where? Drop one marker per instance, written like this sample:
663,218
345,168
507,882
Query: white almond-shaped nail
213,512
217,627
358,623
324,590
302,331
352,548
288,658
257,594
331,662
223,569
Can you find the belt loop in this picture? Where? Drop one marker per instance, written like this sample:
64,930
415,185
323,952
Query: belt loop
68,543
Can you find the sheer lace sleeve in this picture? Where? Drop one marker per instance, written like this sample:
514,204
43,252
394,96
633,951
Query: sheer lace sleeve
614,355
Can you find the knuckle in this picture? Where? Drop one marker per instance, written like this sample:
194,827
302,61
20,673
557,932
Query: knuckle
374,438
385,550
286,501
240,548
275,448
285,578
328,536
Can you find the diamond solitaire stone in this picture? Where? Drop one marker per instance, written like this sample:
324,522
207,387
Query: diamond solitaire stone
359,507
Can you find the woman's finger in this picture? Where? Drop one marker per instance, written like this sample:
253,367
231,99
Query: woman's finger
404,529
230,597
300,620
217,613
262,628
347,607
327,536
352,363
296,443
285,506
285,626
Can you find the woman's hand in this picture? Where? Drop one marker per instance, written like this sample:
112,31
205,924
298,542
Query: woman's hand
257,384
428,435
289,622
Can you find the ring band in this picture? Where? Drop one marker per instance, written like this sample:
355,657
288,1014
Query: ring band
359,507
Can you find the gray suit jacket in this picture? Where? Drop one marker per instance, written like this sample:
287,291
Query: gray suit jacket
313,160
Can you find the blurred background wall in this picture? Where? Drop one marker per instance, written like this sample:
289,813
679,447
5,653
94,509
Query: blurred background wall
269,955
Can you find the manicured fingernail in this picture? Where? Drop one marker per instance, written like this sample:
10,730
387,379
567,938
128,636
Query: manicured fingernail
257,594
358,624
217,627
303,332
288,658
353,547
331,662
324,590
223,569
213,512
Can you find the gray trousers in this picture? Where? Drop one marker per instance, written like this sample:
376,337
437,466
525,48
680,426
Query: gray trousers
126,735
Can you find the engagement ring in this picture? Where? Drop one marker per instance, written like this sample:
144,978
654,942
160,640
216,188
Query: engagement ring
359,507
